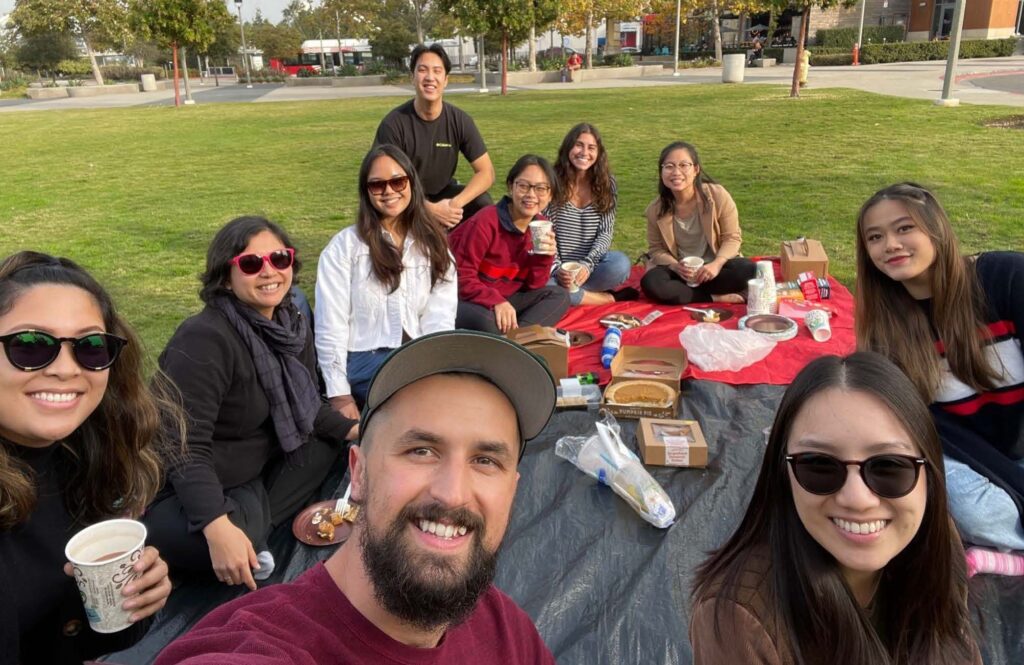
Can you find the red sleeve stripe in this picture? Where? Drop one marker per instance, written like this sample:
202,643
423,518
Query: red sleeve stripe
996,332
973,405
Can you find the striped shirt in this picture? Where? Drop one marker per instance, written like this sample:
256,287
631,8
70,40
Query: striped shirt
584,234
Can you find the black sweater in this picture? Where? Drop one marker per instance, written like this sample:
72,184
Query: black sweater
42,619
231,436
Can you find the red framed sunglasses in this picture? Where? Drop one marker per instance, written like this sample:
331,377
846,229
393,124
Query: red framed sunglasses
252,264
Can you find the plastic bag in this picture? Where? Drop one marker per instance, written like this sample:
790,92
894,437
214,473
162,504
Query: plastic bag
712,348
603,456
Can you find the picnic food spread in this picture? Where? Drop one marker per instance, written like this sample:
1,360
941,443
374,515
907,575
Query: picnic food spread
639,392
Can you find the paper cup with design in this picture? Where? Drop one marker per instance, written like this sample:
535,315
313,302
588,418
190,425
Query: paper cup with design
694,263
538,232
102,557
573,268
817,323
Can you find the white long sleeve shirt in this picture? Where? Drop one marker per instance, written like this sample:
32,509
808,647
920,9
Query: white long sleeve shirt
355,312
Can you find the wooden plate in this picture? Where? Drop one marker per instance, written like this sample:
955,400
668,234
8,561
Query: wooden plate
304,529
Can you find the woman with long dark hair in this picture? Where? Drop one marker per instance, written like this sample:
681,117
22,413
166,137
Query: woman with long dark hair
387,279
846,553
81,441
503,276
955,325
693,217
261,438
583,212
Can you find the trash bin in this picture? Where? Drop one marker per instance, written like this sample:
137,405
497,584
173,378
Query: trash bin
732,67
148,83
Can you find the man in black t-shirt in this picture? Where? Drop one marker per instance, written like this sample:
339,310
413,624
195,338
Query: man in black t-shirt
433,133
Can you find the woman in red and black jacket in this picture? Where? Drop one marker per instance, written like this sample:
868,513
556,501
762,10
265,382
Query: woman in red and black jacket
502,276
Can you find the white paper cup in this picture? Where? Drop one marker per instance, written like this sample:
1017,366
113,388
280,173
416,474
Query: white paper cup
538,231
693,262
755,297
817,323
102,557
573,268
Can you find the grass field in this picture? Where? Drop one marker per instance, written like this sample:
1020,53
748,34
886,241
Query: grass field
136,194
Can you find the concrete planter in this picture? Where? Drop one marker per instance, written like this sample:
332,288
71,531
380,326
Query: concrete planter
97,90
148,83
334,81
47,93
596,74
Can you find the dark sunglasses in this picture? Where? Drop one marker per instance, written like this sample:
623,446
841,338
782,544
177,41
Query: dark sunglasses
252,264
398,184
888,476
29,350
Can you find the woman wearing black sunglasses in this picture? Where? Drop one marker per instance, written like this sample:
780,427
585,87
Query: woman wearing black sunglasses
382,281
79,442
261,437
847,553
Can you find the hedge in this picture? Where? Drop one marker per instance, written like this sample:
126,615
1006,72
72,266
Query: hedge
914,51
131,74
847,37
831,59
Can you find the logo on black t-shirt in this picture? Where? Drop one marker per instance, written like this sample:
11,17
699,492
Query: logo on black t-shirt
442,145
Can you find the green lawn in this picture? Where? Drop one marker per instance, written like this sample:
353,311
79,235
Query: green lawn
136,194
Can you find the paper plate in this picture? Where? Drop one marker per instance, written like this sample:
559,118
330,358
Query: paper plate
723,314
580,338
305,530
772,326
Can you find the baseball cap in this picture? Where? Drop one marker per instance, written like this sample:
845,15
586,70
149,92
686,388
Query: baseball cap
523,377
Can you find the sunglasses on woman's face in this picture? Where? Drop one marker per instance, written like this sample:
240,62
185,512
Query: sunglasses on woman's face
888,476
252,264
397,184
29,350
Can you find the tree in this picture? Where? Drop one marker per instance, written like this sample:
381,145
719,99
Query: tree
276,41
580,16
177,23
99,24
43,50
805,7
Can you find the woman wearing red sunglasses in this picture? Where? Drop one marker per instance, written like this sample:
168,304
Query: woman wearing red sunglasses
847,553
261,438
79,443
386,279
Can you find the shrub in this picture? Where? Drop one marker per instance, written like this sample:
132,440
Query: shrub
132,74
305,73
375,68
74,68
916,51
618,60
550,64
846,37
348,70
395,75
831,59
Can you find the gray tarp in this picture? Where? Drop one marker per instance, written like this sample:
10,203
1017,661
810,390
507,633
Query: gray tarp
603,586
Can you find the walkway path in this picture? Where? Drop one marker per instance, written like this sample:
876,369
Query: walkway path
979,81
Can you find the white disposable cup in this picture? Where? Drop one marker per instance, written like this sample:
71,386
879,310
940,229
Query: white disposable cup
755,297
817,323
573,268
693,262
538,232
100,576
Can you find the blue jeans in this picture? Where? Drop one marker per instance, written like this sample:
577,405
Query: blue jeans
361,367
611,271
984,513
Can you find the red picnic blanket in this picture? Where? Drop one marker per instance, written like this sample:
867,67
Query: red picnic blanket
779,367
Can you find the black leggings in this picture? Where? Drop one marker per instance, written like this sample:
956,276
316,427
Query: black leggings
544,306
255,507
664,285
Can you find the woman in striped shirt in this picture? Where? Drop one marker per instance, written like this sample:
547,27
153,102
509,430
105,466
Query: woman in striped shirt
583,212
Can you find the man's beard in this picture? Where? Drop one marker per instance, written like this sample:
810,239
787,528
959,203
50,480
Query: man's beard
426,590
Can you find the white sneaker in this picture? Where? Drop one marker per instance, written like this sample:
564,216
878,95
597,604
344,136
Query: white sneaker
266,560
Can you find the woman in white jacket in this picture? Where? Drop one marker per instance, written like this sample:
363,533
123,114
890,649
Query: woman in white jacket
384,280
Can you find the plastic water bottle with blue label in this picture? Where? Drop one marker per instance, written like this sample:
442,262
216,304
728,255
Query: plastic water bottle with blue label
610,347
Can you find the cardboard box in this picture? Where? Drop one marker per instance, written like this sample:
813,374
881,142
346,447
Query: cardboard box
802,255
551,345
666,442
661,365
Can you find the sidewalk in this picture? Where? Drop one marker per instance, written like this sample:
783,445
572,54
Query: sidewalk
980,81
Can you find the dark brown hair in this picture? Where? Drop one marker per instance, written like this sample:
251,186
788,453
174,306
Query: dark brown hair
230,241
923,599
602,185
414,220
115,454
665,196
889,320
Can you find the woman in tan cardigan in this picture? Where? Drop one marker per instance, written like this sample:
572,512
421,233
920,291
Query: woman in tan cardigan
693,216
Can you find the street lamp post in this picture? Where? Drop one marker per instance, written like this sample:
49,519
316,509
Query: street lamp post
245,51
860,35
675,63
951,60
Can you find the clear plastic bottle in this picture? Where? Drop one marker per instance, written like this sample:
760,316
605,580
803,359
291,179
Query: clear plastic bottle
610,347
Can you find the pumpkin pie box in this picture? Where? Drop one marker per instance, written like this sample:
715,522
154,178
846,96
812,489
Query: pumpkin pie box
665,442
803,255
649,370
548,343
